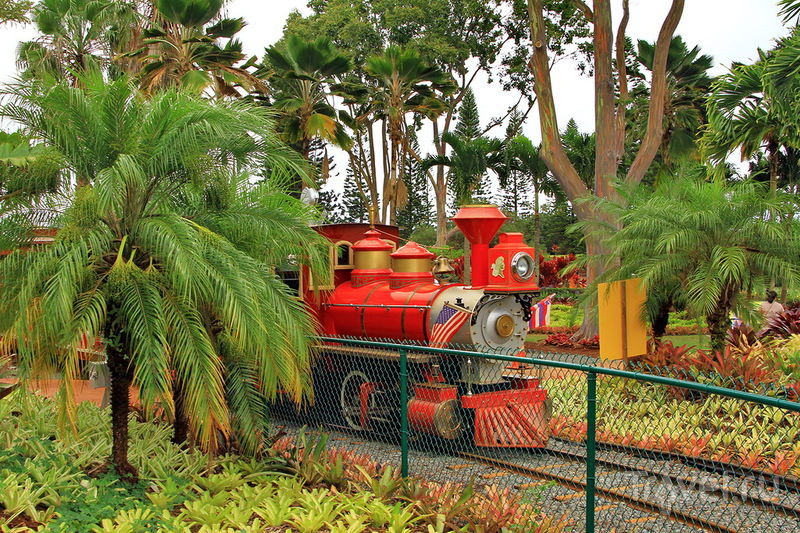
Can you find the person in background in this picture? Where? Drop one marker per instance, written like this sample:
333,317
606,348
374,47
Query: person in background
771,309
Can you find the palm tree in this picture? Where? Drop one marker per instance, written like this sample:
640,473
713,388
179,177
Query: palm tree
469,160
178,49
15,11
162,254
405,84
684,100
28,174
716,241
303,73
523,157
743,113
77,35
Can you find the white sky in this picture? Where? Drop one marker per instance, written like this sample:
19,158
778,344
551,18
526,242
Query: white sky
729,30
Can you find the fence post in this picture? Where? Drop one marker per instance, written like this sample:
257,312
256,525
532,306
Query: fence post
403,413
591,435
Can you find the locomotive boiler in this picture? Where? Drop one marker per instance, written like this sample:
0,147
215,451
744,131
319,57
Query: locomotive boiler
382,290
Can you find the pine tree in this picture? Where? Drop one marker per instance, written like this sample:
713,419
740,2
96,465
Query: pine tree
331,206
355,205
469,124
418,210
469,128
515,123
515,196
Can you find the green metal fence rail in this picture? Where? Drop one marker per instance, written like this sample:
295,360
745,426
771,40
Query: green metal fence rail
652,469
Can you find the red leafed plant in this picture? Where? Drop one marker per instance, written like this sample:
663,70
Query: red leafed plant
784,325
742,337
665,355
741,370
782,462
559,339
793,391
696,446
594,342
549,272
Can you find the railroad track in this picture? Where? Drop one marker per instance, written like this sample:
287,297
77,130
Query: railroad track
633,494
693,497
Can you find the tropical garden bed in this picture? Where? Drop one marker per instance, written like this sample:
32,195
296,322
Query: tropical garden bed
63,483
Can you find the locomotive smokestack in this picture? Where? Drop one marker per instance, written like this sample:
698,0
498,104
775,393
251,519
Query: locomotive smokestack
479,223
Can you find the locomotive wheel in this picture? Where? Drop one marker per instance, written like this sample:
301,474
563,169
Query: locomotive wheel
350,398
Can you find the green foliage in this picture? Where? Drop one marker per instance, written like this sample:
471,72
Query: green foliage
60,484
168,252
714,241
565,315
191,13
15,11
305,70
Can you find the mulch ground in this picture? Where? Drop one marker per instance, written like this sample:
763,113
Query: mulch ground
579,350
83,391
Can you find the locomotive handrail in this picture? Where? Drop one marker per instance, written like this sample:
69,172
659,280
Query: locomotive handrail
387,306
592,369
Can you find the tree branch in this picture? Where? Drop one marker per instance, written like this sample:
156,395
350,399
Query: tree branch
655,119
552,151
622,74
586,10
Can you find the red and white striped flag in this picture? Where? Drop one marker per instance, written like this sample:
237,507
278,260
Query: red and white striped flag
540,312
449,321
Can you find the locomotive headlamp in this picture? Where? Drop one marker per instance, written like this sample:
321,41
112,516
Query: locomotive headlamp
522,266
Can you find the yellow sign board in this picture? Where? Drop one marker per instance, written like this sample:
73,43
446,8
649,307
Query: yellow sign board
623,333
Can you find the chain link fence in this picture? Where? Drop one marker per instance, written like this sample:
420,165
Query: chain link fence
595,445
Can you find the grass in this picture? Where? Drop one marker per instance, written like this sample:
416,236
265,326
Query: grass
568,316
702,342
693,341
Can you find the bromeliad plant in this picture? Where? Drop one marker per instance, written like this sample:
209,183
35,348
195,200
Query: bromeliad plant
653,418
59,484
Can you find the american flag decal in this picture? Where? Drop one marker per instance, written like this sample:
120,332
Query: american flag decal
449,321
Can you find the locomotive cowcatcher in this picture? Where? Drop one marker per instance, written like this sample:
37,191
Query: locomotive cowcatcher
382,290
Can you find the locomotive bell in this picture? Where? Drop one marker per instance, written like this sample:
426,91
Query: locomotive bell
442,269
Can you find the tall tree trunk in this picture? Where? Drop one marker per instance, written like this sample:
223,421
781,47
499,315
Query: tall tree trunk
180,423
120,409
609,115
661,320
440,190
537,235
589,328
718,321
772,157
467,262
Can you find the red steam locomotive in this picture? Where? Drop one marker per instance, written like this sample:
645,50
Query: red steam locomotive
382,290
